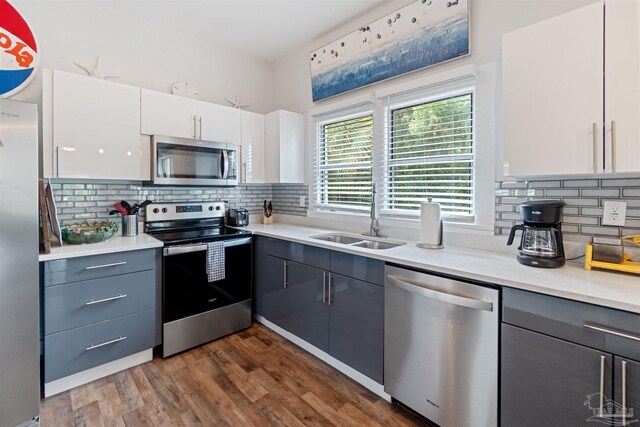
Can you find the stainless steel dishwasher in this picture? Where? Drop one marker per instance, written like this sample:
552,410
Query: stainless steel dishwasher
441,347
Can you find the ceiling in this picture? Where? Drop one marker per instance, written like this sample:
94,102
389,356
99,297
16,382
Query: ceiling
265,29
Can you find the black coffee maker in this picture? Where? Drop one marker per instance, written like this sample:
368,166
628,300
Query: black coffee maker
541,243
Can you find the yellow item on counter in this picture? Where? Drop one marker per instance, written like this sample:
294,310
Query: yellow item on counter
625,266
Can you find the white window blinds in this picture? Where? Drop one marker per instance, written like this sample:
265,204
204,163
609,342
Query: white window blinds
344,164
429,153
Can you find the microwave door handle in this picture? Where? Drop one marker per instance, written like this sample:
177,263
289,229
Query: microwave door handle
225,164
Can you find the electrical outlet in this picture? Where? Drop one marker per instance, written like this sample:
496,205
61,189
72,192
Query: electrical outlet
615,213
302,201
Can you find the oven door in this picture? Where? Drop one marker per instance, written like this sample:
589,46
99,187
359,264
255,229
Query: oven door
180,161
186,288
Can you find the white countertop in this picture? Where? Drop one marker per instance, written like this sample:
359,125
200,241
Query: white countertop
115,244
615,290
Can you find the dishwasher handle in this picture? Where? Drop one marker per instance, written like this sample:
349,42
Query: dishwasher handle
418,288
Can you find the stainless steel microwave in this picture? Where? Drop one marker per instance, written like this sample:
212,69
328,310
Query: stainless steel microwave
182,161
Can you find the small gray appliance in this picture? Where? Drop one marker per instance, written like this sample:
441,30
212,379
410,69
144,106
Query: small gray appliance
237,217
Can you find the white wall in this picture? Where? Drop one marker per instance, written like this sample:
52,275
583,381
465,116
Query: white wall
490,19
142,53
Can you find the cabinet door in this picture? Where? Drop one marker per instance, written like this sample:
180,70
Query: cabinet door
627,387
356,326
166,114
552,95
252,147
96,128
284,147
547,381
622,85
219,123
306,315
269,291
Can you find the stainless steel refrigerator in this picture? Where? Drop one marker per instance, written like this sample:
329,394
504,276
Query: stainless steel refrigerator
19,280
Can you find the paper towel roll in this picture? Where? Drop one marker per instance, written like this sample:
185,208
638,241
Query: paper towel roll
430,223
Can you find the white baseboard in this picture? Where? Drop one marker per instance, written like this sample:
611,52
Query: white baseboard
80,378
358,377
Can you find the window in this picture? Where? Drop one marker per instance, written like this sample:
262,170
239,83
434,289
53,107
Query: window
429,153
344,163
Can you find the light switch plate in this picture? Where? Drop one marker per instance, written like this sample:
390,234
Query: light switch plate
302,201
615,213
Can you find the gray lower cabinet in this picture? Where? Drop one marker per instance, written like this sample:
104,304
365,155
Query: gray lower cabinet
567,363
297,288
546,381
356,329
97,309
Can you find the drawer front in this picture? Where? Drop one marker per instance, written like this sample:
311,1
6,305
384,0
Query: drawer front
71,351
91,267
566,319
90,301
359,267
303,254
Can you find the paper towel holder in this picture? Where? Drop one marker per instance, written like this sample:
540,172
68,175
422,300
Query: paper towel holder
439,245
432,246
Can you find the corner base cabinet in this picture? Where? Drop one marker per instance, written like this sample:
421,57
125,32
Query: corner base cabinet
96,310
326,298
568,363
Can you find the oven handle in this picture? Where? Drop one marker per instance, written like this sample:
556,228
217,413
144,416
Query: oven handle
185,249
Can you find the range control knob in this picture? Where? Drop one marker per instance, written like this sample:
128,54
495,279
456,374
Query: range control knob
210,208
164,210
156,210
217,208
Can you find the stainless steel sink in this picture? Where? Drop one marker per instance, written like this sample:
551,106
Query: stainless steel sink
374,244
359,242
337,238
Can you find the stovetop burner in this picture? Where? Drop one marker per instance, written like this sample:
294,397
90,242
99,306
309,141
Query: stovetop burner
188,222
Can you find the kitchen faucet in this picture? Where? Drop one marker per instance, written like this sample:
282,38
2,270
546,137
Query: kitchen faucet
374,228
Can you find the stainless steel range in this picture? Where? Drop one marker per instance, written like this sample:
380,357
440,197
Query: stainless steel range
206,273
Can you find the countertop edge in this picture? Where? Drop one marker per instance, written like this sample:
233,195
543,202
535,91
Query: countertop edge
116,244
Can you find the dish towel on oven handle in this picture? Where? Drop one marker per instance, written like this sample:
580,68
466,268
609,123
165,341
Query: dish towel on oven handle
215,261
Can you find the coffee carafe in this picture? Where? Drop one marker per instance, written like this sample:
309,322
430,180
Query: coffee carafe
541,242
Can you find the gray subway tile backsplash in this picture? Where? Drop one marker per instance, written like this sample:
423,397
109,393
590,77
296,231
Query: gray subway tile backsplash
78,202
584,199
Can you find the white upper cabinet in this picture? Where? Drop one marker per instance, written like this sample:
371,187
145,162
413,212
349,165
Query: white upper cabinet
252,148
166,114
553,95
622,86
284,147
91,128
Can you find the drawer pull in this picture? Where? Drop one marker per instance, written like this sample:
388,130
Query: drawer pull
98,301
113,264
612,332
102,344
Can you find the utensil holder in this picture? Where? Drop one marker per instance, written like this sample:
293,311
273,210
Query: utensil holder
129,225
267,219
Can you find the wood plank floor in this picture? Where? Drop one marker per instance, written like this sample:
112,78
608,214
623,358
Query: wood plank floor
253,378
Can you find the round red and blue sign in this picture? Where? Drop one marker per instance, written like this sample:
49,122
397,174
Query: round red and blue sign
18,51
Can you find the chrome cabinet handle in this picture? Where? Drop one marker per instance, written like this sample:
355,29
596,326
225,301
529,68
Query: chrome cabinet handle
613,145
113,264
606,330
244,166
329,289
420,289
324,287
200,126
624,393
286,279
57,172
98,301
595,147
194,128
602,362
102,344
